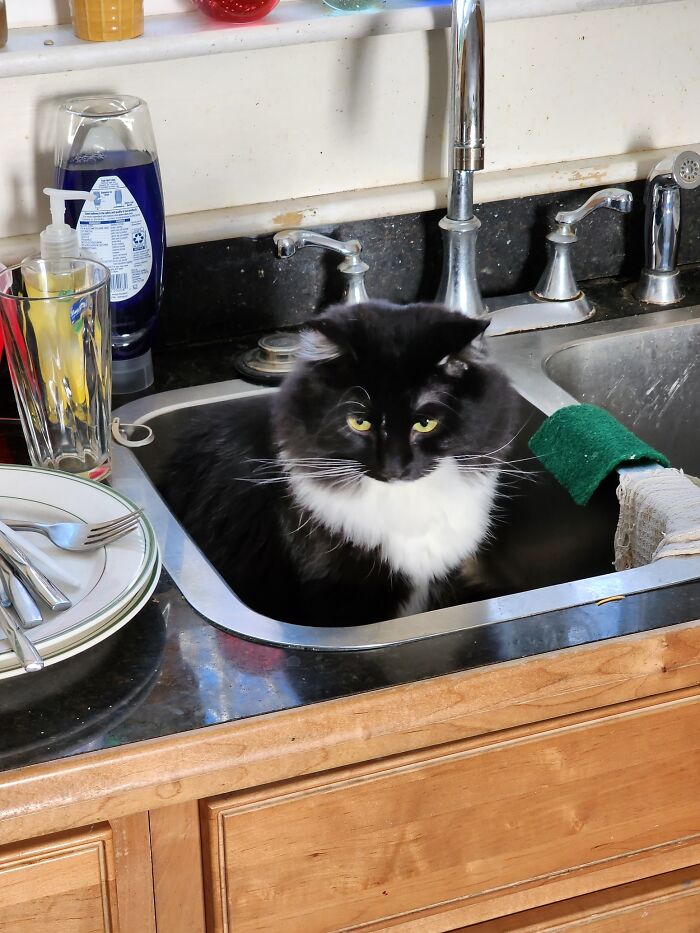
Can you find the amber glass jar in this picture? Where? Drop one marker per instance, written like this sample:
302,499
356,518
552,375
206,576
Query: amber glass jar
3,24
103,20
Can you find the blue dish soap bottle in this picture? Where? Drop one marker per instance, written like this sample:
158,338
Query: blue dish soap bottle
106,145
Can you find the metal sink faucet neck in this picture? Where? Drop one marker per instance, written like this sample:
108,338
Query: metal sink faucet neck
459,288
659,281
466,100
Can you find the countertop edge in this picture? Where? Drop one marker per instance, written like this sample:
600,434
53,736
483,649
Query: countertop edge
390,727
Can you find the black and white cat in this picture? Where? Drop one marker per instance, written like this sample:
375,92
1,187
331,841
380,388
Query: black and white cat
357,492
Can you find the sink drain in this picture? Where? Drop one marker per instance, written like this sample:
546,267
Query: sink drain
272,358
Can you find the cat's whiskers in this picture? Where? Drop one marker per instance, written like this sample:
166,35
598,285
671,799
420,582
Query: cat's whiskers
362,389
514,437
342,402
504,468
341,542
321,468
468,457
303,524
341,475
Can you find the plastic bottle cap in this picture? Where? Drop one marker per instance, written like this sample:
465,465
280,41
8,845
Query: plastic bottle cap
133,375
59,240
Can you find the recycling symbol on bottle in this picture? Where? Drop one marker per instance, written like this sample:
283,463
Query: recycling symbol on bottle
139,238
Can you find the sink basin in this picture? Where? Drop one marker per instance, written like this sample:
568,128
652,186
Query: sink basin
649,378
547,554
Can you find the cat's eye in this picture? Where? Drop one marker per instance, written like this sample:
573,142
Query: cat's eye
361,425
425,425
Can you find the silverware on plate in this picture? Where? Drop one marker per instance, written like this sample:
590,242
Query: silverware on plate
18,596
81,536
32,578
28,656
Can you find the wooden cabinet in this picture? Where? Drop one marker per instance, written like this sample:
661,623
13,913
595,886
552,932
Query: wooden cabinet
91,880
457,838
64,883
559,793
665,902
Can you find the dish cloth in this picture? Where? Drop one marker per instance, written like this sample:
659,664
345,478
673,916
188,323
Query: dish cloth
659,517
581,444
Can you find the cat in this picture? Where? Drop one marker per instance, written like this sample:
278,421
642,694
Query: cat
358,491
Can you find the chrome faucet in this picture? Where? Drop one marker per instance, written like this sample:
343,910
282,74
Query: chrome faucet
658,283
557,282
353,266
459,288
276,354
557,298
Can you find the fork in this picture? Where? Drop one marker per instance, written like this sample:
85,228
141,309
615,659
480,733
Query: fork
79,536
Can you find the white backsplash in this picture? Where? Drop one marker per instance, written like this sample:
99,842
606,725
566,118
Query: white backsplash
572,99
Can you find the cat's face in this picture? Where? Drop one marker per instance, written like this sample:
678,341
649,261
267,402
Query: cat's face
389,392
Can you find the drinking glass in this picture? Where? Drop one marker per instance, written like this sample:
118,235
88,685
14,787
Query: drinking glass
55,323
356,6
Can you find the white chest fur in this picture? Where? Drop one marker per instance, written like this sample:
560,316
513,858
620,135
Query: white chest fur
422,529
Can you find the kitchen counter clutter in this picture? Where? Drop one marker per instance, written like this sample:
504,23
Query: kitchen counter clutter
525,776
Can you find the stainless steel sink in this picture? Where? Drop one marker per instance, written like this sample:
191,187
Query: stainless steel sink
649,378
547,553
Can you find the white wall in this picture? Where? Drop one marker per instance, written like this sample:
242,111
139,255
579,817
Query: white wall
245,132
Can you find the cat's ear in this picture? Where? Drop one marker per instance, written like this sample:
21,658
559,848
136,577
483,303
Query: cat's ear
466,345
316,346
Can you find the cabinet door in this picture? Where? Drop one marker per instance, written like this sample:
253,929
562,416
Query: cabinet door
470,836
62,883
668,902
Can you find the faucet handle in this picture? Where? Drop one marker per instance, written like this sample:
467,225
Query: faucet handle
616,199
289,241
352,266
557,282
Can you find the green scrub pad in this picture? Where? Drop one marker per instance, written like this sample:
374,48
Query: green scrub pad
581,444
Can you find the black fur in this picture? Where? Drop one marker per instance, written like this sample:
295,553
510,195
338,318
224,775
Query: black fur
389,365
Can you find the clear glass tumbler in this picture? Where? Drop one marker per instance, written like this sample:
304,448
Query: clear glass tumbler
356,6
56,328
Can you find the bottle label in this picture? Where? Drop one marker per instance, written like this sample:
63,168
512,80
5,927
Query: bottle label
112,230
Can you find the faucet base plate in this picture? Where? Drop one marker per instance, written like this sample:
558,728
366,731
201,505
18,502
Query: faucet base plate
514,313
659,288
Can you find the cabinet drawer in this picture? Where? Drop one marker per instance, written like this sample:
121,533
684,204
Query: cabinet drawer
476,830
666,902
59,884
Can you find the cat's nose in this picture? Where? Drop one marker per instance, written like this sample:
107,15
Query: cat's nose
396,473
393,461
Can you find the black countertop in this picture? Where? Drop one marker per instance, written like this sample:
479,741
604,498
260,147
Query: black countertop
169,671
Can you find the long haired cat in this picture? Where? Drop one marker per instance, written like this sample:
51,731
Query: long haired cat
357,492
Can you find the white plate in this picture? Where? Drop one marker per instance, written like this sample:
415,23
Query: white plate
109,581
98,633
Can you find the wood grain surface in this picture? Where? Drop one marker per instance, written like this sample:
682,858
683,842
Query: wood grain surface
64,882
177,868
588,682
368,844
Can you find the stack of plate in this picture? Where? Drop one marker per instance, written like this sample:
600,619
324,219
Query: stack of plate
107,586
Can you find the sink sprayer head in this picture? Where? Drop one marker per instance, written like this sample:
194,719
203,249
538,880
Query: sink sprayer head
686,169
683,168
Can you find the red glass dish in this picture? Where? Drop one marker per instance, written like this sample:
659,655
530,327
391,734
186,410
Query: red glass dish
236,11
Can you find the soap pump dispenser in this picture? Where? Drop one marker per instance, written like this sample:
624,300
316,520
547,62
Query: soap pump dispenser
59,240
51,275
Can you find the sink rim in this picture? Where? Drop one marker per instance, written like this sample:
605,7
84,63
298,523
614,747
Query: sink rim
515,352
524,357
